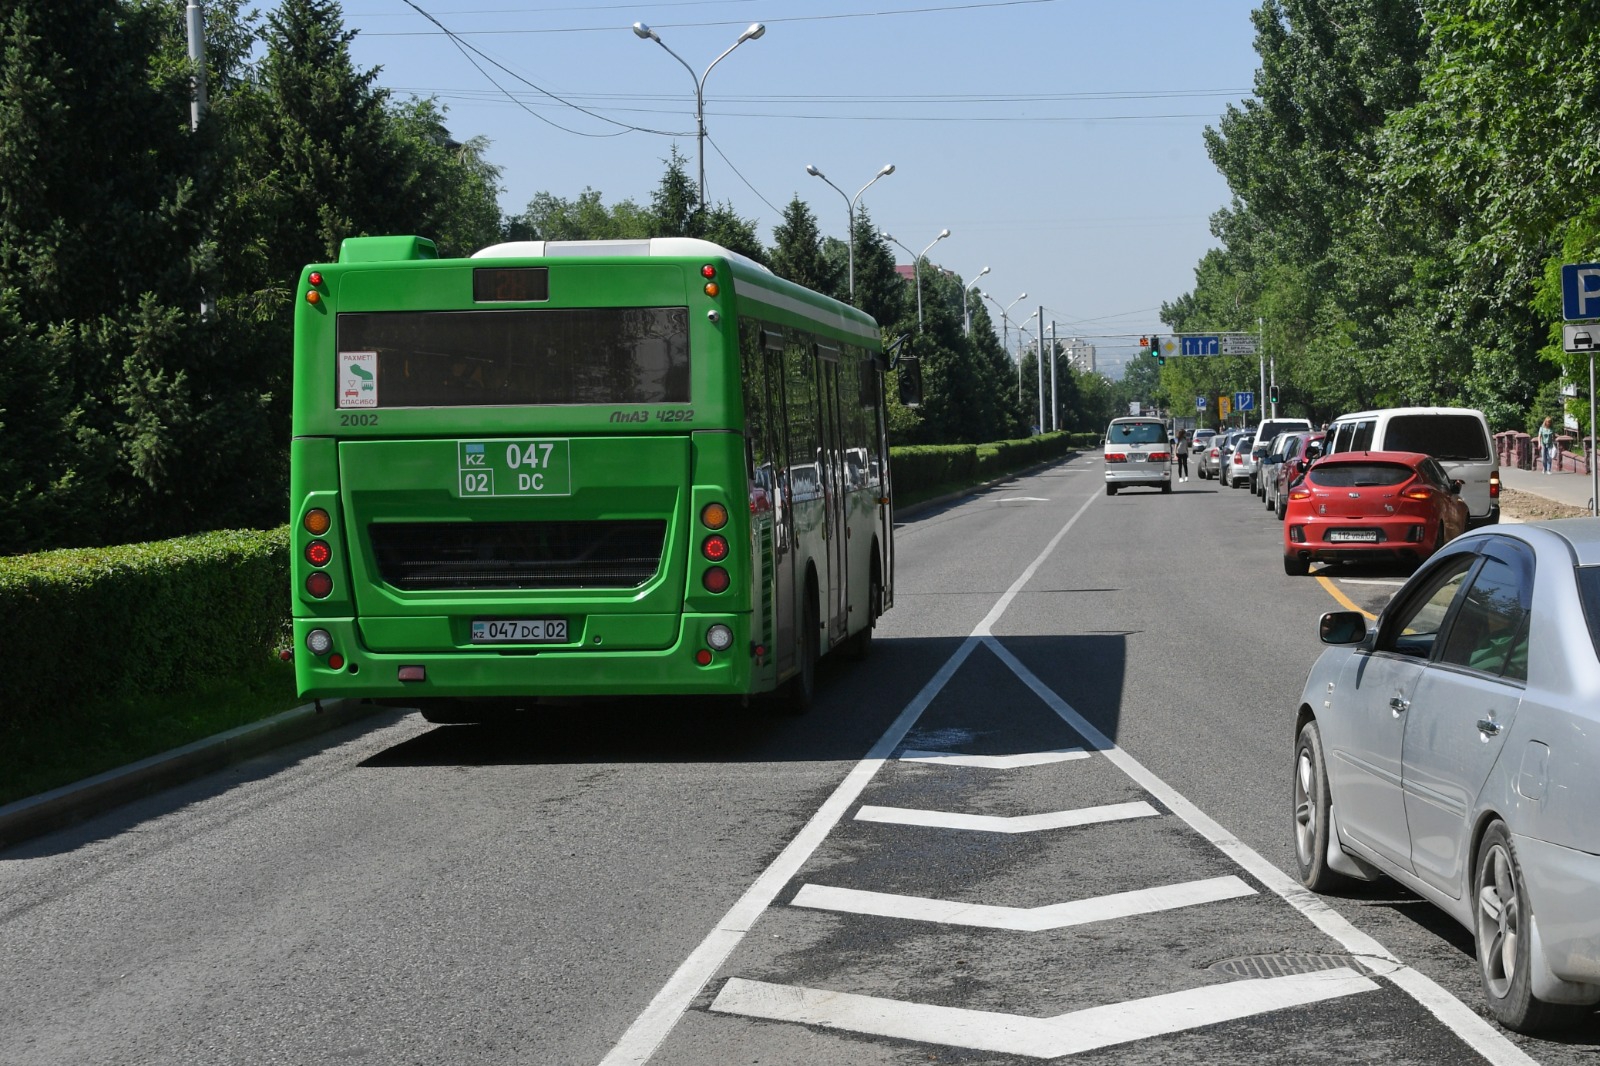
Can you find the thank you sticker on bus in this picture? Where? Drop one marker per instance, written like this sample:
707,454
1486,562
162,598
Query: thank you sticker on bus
514,467
358,379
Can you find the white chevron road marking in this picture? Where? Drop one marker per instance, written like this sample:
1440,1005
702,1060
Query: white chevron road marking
995,762
1023,919
1043,1038
994,823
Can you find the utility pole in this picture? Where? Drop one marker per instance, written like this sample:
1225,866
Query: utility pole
195,17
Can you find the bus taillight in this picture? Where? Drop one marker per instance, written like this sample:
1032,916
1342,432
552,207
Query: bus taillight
317,522
719,637
320,641
715,547
319,585
715,579
318,553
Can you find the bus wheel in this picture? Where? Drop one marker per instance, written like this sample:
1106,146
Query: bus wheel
861,643
803,685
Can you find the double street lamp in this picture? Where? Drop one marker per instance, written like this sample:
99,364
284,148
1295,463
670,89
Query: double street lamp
850,204
916,265
966,316
644,32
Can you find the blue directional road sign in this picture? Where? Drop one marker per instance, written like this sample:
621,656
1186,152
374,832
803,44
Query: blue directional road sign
1198,345
1580,291
1244,401
1199,403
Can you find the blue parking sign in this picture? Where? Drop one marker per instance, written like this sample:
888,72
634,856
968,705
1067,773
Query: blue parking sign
1199,403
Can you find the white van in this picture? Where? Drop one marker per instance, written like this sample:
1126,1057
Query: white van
1458,437
1138,451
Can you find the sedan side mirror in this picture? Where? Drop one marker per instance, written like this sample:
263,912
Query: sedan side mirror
1343,627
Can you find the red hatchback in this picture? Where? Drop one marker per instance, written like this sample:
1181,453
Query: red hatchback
1370,505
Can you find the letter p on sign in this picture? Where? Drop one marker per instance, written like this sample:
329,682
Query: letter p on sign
1580,291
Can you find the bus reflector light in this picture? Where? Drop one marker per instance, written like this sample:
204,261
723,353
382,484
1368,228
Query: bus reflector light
412,673
720,637
708,271
714,515
319,641
761,651
319,584
703,657
318,553
317,522
715,580
336,661
712,288
715,548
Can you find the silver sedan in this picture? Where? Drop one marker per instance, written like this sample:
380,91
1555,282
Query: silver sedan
1455,747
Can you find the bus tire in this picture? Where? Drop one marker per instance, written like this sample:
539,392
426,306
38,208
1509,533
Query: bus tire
861,643
802,687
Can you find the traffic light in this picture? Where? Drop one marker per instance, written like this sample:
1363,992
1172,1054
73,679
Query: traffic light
1155,350
1272,395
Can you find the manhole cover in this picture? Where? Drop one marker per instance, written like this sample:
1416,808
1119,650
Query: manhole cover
1283,965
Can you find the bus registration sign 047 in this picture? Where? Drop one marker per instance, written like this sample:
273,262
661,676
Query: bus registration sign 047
491,468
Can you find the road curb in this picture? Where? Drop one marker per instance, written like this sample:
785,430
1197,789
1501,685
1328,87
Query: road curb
60,807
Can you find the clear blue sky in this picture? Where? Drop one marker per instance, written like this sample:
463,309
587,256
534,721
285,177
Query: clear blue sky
1058,140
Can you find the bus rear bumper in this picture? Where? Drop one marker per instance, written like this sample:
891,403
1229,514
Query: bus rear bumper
487,673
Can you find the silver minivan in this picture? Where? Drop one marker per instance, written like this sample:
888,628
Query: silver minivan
1137,452
1458,437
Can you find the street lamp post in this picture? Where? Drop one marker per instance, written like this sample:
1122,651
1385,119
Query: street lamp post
916,265
850,205
644,32
966,316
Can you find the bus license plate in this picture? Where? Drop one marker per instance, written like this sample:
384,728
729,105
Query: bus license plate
520,631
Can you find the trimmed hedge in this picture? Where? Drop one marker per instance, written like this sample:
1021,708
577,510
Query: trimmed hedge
920,469
90,623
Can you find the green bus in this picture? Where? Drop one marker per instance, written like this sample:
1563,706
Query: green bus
580,468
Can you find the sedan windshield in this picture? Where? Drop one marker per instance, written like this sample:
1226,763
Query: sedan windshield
1358,475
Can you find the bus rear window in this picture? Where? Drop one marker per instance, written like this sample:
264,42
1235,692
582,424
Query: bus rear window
545,356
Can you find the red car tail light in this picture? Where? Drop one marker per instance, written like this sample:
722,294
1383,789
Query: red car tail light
1418,494
1116,457
1494,485
1159,457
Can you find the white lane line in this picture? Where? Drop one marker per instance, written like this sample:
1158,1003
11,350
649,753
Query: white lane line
1024,499
1042,1038
1023,919
1021,823
1460,1019
995,762
662,1014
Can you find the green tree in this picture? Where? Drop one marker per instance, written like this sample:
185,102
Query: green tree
797,250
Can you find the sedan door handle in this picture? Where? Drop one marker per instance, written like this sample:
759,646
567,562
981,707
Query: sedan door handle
1398,703
1488,727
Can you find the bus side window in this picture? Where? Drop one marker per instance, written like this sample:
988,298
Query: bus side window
800,393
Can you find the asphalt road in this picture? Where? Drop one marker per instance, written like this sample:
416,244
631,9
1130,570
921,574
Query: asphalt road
681,883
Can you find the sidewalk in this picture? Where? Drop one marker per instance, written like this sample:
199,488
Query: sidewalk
1574,490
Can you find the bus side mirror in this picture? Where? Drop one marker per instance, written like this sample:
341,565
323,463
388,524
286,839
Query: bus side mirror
903,360
910,382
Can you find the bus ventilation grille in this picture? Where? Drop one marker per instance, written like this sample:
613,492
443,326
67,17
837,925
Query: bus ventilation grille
421,556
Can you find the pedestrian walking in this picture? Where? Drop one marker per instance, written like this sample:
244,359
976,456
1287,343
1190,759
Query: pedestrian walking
1547,444
1180,448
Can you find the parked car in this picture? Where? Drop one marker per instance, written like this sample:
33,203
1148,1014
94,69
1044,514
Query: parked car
1396,506
1236,469
1137,452
1266,435
1210,461
1294,452
1200,440
1456,436
1454,749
